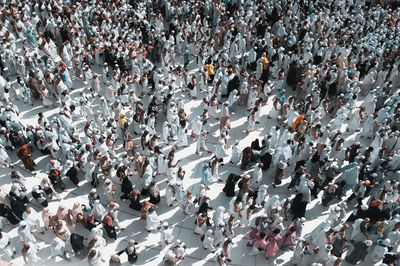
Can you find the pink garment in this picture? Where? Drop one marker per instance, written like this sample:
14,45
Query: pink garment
290,237
254,233
272,245
260,243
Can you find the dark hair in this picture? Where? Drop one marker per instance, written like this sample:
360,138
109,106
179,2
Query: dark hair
276,231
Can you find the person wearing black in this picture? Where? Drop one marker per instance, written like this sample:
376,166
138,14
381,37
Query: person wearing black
154,193
109,227
55,179
135,200
229,188
298,206
266,159
130,250
339,244
360,213
90,222
203,209
78,246
6,212
359,252
93,196
72,173
299,171
126,187
17,207
40,196
153,106
353,151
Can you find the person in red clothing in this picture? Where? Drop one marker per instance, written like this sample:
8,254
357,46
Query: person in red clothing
24,153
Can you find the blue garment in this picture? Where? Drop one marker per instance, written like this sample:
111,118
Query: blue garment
206,176
31,38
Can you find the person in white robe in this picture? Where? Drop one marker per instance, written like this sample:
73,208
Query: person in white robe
33,219
368,127
166,234
182,136
369,103
232,101
109,190
251,102
25,233
166,133
208,242
58,249
4,158
98,257
356,234
6,246
219,234
98,210
161,164
196,127
31,256
201,142
219,215
220,151
236,153
379,250
262,196
200,228
152,220
356,117
257,176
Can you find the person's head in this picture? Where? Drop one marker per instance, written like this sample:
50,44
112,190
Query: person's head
59,223
396,226
165,225
26,245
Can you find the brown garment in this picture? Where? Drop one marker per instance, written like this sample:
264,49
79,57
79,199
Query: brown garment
33,86
65,215
245,187
24,153
129,145
146,205
280,173
225,121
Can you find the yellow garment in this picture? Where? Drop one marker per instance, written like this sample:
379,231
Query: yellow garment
122,120
265,62
210,70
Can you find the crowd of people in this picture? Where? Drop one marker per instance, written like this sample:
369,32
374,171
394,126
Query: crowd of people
314,84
